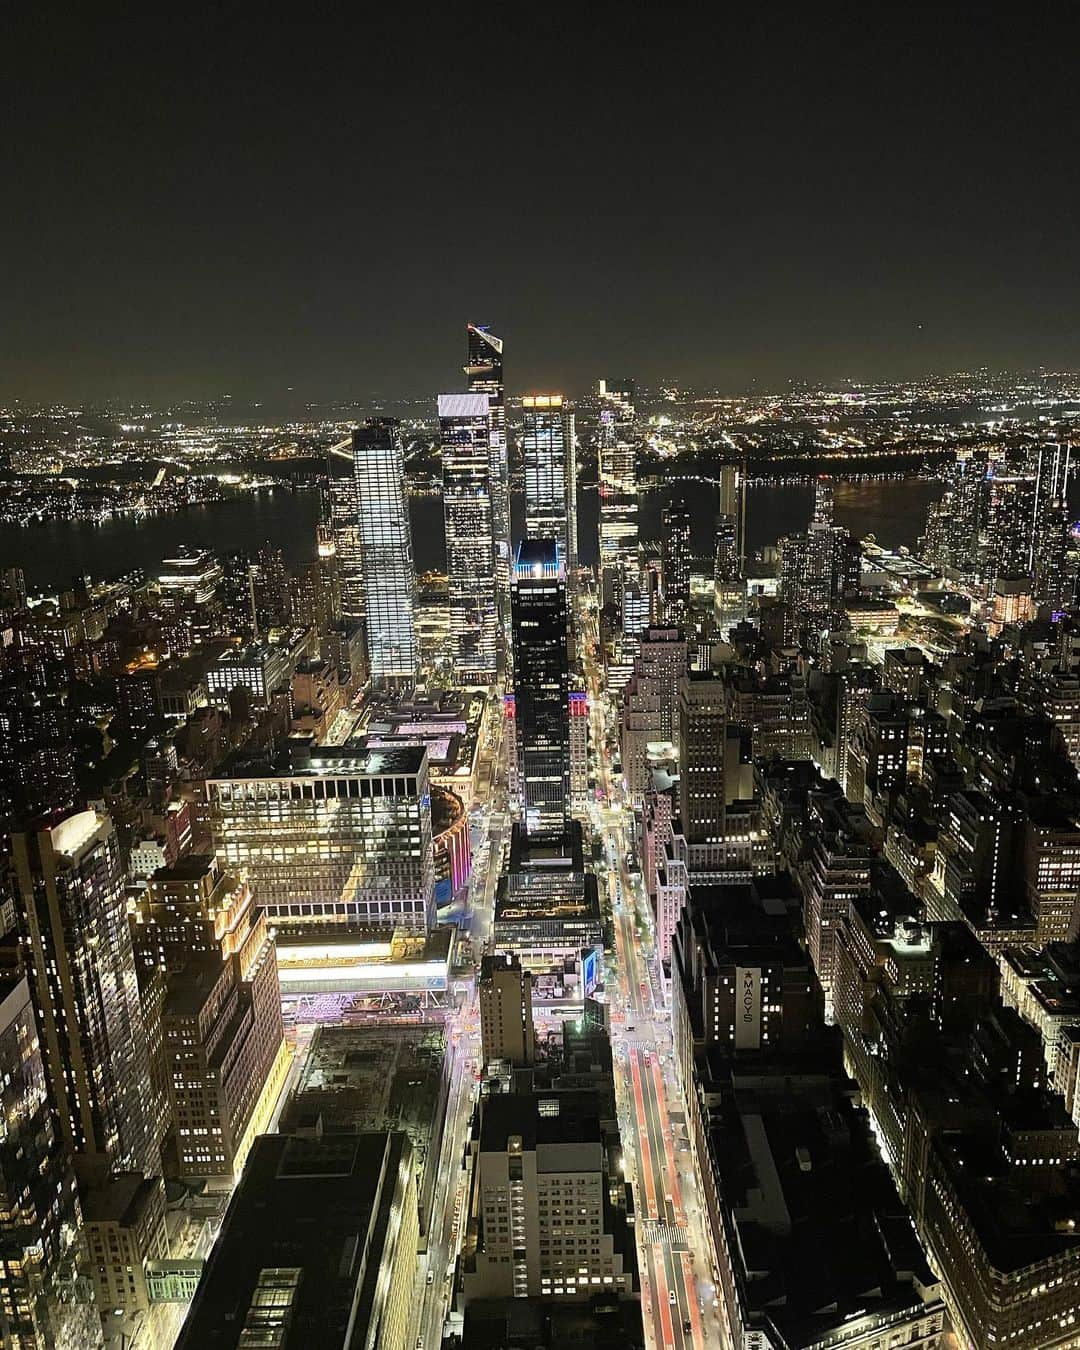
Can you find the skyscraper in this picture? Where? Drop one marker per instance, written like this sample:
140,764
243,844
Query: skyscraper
675,559
617,396
39,1214
618,507
729,588
1012,486
74,914
541,685
343,530
465,428
386,551
817,569
484,375
551,474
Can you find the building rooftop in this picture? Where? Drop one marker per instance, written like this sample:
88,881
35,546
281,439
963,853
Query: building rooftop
300,1250
375,1078
543,1324
120,1199
561,1118
817,1216
303,757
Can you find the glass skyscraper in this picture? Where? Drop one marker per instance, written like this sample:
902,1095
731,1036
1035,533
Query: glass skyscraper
541,686
386,550
551,473
465,435
618,507
484,375
344,533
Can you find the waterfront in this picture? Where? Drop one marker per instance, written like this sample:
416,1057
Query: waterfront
52,553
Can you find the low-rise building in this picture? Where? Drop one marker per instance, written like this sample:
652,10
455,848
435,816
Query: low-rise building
318,1248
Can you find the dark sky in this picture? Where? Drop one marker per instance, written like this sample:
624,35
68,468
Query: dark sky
225,203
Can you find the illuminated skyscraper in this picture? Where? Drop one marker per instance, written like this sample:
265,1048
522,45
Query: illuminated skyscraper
541,686
386,551
70,882
342,529
728,583
551,473
618,506
484,375
39,1218
464,433
618,397
1011,500
817,569
1054,582
675,559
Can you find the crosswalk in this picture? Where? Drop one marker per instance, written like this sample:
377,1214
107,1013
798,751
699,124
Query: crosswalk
667,1234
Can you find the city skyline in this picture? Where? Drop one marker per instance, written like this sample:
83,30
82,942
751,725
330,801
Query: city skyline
503,844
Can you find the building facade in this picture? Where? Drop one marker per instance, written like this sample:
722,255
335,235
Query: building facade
74,914
385,536
336,837
541,684
465,427
550,457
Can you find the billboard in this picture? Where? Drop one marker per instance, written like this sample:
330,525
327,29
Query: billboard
747,1007
590,970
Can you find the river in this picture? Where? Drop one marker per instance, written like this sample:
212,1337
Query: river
54,552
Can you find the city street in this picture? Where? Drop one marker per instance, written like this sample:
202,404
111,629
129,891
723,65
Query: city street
449,1204
676,1291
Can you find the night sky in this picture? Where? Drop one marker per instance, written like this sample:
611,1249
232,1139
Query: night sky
222,204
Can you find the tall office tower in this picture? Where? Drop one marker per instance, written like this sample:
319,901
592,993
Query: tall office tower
729,587
539,621
39,1211
551,474
637,602
675,559
484,375
331,836
270,589
550,1205
618,397
465,434
70,882
506,1017
703,742
618,508
649,714
343,528
386,551
198,930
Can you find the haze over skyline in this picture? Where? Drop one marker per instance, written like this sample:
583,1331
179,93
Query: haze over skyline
214,205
